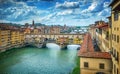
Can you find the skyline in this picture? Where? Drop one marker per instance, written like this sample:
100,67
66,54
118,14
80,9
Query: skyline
54,12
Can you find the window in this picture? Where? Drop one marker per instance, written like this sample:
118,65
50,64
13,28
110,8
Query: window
85,64
118,57
107,35
117,38
114,37
117,71
116,16
114,69
114,53
101,65
114,28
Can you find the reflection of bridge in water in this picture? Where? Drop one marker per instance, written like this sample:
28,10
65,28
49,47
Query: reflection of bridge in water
61,39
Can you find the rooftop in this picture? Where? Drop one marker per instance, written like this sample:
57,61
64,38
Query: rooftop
87,49
102,55
103,25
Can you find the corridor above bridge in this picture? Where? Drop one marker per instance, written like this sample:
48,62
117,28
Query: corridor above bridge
54,36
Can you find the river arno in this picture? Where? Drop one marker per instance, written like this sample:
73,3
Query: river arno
31,60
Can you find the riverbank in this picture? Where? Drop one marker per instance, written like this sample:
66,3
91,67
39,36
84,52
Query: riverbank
76,69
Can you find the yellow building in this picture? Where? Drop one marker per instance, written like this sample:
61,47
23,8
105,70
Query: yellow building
110,33
115,21
92,62
4,39
95,65
14,38
21,38
62,40
36,31
17,38
27,31
92,31
102,36
77,40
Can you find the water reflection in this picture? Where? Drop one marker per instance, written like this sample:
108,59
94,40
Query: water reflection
53,46
72,47
54,49
71,50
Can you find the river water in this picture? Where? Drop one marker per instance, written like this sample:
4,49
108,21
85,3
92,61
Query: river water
30,60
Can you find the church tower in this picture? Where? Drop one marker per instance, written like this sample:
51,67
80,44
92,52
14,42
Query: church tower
33,24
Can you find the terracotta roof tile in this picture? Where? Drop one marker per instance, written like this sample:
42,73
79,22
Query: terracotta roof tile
103,55
105,25
87,45
87,49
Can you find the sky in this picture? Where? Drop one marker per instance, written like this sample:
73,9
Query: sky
54,12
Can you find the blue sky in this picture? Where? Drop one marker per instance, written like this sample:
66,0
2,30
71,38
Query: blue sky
53,12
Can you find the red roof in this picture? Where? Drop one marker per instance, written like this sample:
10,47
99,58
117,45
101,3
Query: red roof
103,55
87,44
87,49
102,26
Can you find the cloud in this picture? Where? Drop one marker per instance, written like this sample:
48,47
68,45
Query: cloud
47,0
67,5
20,11
32,0
48,11
82,16
48,17
96,6
66,12
90,8
105,12
106,4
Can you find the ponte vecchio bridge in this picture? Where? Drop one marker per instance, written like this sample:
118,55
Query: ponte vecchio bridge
61,39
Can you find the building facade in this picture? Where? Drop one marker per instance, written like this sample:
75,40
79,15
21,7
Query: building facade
77,40
4,39
92,31
92,62
115,21
102,35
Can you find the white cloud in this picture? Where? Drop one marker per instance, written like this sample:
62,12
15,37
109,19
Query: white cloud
106,4
105,12
67,5
21,11
66,12
90,8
